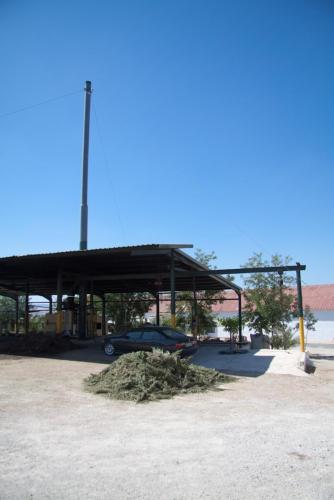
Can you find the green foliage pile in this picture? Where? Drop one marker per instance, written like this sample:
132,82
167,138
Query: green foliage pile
147,376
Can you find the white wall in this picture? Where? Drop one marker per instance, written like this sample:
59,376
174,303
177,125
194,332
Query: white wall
324,328
324,332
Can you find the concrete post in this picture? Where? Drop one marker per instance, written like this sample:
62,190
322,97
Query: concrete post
84,204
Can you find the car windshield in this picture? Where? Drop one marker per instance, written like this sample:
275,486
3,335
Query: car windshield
173,334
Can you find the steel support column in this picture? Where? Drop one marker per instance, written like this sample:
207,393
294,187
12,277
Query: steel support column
172,289
195,311
157,309
240,317
300,308
59,317
26,312
91,332
103,315
50,305
16,315
82,310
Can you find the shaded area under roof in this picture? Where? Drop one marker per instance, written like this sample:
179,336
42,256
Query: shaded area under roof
142,268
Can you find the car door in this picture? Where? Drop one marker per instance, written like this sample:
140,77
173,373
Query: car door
120,342
132,342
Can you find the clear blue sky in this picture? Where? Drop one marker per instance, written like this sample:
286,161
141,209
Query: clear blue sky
212,125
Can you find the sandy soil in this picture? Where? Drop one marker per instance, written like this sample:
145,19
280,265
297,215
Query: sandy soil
264,437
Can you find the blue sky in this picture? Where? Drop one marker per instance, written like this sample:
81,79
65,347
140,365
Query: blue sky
212,124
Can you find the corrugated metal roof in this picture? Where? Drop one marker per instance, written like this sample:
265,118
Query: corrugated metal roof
118,269
94,251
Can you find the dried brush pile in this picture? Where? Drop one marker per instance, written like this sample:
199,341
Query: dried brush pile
147,376
37,344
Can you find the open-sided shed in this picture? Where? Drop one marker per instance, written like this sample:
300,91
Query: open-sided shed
145,268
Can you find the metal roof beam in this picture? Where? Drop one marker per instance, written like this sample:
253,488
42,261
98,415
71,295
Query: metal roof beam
206,271
246,270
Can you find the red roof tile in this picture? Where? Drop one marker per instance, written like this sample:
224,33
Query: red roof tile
317,297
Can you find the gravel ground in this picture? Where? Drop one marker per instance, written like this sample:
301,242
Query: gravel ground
264,437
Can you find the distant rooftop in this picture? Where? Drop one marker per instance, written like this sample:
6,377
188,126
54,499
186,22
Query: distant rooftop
317,297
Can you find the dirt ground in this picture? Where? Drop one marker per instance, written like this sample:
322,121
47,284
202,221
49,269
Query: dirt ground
264,437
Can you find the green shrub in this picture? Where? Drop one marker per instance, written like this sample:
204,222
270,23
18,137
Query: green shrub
283,339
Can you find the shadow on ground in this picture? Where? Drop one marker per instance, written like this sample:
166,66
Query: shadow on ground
322,356
88,351
253,363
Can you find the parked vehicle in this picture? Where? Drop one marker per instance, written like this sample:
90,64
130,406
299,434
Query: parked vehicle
146,338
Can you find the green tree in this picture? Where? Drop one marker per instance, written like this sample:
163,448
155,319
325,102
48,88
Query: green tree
270,304
126,310
309,318
231,325
37,323
7,313
185,307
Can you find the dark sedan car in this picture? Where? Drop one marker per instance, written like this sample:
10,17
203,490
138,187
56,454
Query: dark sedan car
146,338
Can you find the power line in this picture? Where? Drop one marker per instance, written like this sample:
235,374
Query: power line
27,108
106,165
253,240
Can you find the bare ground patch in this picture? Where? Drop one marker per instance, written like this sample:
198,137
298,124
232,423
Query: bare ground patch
269,437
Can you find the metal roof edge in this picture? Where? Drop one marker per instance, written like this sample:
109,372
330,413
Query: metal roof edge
92,251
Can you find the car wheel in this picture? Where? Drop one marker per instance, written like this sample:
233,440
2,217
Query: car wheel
109,349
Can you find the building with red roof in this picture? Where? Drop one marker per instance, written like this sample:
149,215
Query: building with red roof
319,298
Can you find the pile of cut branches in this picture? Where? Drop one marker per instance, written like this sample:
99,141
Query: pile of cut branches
37,344
147,376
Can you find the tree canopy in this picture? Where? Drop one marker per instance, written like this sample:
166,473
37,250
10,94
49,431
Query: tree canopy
126,310
186,315
270,303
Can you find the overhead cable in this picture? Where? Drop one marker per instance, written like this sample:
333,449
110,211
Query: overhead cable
26,108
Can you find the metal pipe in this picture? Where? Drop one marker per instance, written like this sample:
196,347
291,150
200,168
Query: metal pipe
157,309
92,331
241,270
103,314
82,310
240,317
16,315
26,312
84,204
172,289
59,317
300,307
195,310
